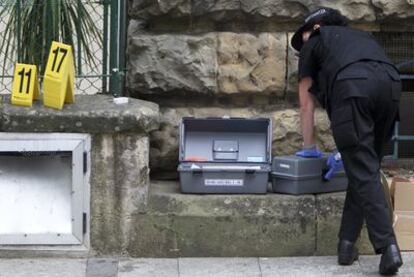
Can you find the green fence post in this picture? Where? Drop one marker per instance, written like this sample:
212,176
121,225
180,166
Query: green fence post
117,47
122,43
48,15
113,49
18,31
79,46
105,47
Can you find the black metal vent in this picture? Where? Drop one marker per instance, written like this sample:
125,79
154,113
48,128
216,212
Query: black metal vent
399,46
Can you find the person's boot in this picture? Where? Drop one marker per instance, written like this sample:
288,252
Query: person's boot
390,260
347,252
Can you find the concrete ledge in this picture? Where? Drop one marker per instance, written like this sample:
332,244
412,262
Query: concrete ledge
271,225
89,114
222,225
329,213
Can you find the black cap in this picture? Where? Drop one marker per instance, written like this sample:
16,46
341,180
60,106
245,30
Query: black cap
310,20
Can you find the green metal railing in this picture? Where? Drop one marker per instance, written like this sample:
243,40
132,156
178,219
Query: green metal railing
397,138
105,72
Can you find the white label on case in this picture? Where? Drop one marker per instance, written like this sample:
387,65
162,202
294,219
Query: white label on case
284,166
224,182
257,159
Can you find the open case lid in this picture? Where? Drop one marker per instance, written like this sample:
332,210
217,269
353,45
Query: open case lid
225,140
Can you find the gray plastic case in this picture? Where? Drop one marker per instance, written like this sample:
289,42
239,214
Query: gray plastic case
297,175
225,155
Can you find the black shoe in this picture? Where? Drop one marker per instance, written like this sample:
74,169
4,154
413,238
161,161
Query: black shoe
390,260
347,252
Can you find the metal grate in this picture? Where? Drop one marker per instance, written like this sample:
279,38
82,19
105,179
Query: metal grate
406,148
99,74
91,73
400,49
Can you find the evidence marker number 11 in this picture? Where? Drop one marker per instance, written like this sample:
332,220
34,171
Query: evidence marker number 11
25,85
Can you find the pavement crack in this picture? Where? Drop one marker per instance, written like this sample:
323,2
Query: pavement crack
260,267
178,267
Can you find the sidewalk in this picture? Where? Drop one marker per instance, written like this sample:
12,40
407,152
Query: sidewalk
195,267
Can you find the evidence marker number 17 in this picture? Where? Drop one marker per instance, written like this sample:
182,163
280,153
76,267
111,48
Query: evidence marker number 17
55,57
59,80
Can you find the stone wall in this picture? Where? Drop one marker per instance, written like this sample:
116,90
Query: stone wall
231,57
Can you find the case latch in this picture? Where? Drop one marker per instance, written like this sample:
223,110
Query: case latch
250,171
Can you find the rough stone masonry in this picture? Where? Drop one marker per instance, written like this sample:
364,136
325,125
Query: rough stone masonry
231,57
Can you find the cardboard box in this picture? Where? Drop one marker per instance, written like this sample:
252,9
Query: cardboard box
403,196
404,213
404,230
392,185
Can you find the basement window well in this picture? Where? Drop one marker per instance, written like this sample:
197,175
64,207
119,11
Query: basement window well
44,189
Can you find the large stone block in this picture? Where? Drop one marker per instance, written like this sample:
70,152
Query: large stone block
251,64
132,170
290,9
105,205
286,133
396,9
170,63
145,9
223,225
119,188
278,10
209,64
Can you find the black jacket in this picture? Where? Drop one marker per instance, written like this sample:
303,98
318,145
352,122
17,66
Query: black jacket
330,50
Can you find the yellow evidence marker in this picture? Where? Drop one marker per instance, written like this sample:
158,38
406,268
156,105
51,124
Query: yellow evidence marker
59,80
25,85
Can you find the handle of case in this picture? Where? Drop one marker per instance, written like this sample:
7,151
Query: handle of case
202,169
197,171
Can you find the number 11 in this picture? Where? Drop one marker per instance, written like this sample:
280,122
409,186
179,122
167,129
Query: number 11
29,76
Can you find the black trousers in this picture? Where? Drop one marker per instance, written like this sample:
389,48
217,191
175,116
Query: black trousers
363,108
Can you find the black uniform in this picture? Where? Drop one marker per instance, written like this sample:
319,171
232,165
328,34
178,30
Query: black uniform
360,89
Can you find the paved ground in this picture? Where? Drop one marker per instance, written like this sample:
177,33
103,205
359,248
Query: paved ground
195,267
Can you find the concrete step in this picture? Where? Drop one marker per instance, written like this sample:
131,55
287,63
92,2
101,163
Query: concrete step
271,225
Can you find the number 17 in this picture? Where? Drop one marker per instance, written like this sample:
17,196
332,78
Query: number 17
56,53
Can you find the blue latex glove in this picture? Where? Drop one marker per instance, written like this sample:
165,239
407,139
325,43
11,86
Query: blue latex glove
334,164
309,152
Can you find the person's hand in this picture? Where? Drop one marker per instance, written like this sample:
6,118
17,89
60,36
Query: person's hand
334,164
309,152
